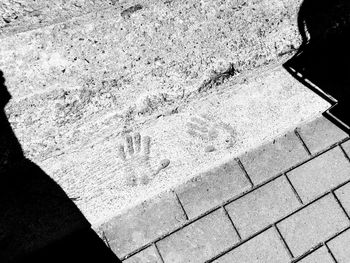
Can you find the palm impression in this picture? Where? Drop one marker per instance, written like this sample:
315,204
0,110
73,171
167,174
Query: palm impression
136,158
215,133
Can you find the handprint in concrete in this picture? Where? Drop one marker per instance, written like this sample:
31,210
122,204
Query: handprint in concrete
213,132
136,158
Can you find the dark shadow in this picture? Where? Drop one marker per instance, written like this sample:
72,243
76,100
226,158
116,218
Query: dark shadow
38,221
323,61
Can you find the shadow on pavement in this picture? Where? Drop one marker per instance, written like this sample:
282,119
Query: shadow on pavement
323,61
38,221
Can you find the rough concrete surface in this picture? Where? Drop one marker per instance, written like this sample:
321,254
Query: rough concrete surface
258,110
109,64
175,71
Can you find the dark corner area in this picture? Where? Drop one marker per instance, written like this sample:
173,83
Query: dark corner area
323,61
38,221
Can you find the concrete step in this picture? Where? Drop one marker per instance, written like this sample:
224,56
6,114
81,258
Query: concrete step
134,66
240,116
199,78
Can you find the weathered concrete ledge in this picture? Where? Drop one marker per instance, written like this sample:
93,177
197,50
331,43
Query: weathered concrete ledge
195,136
132,64
171,70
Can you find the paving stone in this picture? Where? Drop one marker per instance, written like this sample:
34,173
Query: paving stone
320,174
339,247
343,194
143,223
212,188
200,240
346,147
312,225
264,248
320,134
321,255
262,207
148,255
273,158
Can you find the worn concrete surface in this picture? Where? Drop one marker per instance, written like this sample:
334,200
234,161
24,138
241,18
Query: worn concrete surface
133,65
175,70
257,111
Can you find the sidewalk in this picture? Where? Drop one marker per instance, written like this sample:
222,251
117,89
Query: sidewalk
287,201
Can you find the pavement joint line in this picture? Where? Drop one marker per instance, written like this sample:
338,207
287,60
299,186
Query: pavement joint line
341,206
330,253
331,146
294,190
337,234
313,249
238,244
281,219
283,241
190,221
302,141
240,164
316,155
236,230
319,245
158,252
179,202
344,152
307,253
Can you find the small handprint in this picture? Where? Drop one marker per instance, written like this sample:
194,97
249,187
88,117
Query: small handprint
137,167
211,131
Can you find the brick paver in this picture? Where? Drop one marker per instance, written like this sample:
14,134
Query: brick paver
148,255
320,174
273,158
340,247
143,223
264,248
343,194
320,134
313,224
321,255
255,210
200,240
212,188
262,207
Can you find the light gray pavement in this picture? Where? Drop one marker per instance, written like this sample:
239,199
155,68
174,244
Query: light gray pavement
286,201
